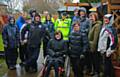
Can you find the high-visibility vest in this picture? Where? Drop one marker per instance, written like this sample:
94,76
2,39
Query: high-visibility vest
64,27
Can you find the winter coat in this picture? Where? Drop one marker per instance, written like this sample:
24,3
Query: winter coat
85,24
77,44
36,34
50,27
107,39
56,49
20,21
10,35
94,35
75,18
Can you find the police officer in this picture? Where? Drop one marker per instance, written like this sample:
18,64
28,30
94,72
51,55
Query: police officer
63,25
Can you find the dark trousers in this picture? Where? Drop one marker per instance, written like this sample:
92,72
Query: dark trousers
96,61
55,64
45,42
88,62
77,66
33,54
23,52
11,56
108,67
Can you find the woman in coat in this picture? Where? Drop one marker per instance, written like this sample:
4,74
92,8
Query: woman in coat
57,47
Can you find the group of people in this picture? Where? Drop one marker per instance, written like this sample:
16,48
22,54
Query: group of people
84,38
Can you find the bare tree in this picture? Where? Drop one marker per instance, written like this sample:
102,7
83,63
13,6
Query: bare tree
12,4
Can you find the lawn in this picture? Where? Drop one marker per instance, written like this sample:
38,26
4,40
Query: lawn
1,43
3,67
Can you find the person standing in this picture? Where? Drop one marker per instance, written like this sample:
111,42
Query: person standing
85,26
63,25
35,36
50,28
10,35
93,36
24,39
107,44
77,49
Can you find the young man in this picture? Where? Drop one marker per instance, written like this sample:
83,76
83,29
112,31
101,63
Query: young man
35,36
10,36
107,44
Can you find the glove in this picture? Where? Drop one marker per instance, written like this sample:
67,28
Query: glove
82,56
57,54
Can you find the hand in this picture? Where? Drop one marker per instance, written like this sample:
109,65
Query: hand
82,56
108,54
25,41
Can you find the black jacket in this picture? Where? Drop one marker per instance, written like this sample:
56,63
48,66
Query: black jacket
56,49
36,34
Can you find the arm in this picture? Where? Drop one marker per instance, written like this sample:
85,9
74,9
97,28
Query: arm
85,42
110,50
50,51
64,50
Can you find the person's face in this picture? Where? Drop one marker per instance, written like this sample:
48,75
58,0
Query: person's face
58,36
48,17
45,13
92,18
33,14
29,21
82,13
63,17
76,27
76,13
12,21
37,18
106,20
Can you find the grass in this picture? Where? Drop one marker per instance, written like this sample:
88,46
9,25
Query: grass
3,67
1,43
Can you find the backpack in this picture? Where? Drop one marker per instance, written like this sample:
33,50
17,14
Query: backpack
113,31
